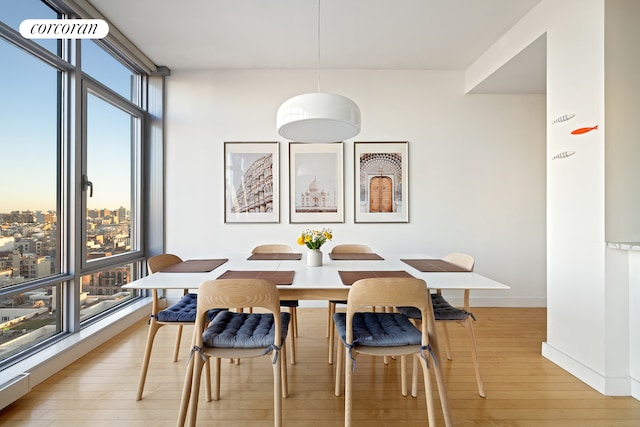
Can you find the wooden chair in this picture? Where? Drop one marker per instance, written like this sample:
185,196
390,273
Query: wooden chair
292,305
179,314
232,335
389,334
446,313
340,249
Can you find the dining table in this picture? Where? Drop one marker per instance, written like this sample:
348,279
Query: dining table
312,283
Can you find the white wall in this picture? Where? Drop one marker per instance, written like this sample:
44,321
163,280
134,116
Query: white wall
476,168
591,289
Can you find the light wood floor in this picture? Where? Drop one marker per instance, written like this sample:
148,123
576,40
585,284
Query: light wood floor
523,388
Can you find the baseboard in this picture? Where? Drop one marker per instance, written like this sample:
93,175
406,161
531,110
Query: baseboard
635,388
456,299
608,386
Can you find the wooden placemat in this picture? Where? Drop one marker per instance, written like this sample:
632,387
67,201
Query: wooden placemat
433,265
365,256
350,277
195,266
278,277
282,256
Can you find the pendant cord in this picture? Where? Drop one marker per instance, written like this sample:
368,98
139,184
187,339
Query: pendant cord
318,45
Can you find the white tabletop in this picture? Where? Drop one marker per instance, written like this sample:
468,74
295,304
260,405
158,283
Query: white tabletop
324,279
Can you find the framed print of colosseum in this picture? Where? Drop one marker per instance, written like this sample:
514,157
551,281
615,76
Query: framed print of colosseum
251,172
381,181
316,178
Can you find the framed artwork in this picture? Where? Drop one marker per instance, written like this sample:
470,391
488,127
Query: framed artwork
251,180
316,178
381,181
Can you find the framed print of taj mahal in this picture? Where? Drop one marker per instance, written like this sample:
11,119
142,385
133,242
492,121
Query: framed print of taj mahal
316,182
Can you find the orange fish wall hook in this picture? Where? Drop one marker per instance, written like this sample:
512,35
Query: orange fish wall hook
584,130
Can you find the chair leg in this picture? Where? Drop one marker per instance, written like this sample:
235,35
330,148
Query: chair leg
348,392
153,329
440,378
414,377
277,391
198,364
426,373
403,374
339,362
186,394
207,379
294,320
447,345
176,349
216,369
468,325
293,334
332,338
331,308
283,372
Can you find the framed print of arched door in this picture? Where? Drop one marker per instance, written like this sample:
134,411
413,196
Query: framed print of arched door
381,171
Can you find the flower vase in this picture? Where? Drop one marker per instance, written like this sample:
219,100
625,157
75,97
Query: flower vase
314,258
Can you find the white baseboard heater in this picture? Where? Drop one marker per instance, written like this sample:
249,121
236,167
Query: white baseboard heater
12,390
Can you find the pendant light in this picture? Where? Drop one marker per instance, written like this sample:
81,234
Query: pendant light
319,116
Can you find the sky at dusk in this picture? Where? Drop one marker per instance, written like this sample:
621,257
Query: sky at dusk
28,124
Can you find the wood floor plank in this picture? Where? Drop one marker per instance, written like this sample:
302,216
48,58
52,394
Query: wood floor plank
523,388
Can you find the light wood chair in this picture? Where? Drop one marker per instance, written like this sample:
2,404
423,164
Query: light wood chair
389,334
224,338
180,314
292,305
446,313
340,249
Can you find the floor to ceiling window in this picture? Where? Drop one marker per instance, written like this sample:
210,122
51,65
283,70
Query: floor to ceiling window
72,120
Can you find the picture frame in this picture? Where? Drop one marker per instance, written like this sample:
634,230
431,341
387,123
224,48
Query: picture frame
381,190
316,180
251,182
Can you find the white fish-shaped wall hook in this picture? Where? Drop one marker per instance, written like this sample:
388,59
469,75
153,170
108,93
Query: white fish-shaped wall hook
563,118
563,155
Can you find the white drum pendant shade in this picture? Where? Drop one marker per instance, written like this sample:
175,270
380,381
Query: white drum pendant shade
318,117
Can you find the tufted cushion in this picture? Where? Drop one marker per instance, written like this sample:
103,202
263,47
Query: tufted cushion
442,310
379,329
243,330
184,311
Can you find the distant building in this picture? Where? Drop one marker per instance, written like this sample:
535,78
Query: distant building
33,266
7,244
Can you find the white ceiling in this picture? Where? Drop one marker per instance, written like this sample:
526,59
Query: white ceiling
354,34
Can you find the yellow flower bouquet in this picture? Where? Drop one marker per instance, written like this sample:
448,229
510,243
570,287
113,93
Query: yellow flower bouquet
314,239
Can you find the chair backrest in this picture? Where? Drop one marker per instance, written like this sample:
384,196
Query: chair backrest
389,292
159,262
272,249
461,260
237,293
351,249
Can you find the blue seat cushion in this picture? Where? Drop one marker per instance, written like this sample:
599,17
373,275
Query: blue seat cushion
442,310
244,330
184,311
379,329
